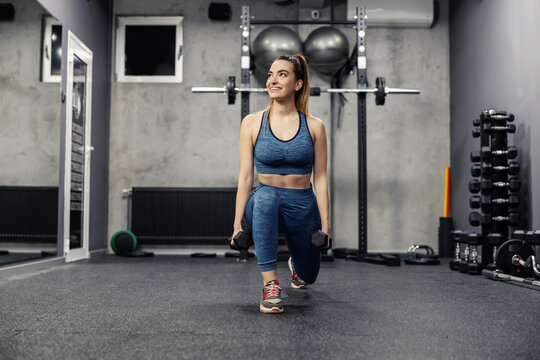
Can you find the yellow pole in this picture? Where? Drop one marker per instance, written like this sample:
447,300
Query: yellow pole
447,193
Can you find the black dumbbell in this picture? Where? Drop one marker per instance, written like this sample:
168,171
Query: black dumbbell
473,267
519,235
320,240
476,122
496,114
476,133
486,185
496,240
486,153
475,156
456,238
487,127
488,169
242,241
475,218
486,201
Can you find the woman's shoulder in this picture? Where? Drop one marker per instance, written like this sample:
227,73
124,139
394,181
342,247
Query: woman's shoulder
253,117
314,122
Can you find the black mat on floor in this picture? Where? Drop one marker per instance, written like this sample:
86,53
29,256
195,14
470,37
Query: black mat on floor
183,308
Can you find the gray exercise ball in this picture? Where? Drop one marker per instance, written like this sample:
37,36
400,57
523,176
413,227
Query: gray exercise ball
327,50
273,42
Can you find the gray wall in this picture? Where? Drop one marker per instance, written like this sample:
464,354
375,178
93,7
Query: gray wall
90,21
30,109
163,135
494,65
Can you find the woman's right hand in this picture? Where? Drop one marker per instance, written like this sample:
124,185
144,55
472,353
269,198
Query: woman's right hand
236,230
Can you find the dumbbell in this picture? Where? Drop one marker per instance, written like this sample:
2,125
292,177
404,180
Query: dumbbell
510,128
476,218
494,239
496,114
488,169
456,238
531,237
486,153
319,239
486,202
476,122
473,267
242,241
486,185
475,156
464,260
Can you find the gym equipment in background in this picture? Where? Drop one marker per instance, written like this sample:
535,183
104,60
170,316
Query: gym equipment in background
421,255
359,25
124,243
327,50
516,259
273,42
494,174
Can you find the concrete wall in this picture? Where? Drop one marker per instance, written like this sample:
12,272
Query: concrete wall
163,135
30,109
494,65
90,21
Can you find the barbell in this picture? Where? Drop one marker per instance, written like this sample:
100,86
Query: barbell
380,91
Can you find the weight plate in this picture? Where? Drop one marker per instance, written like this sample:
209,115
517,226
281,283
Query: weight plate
503,258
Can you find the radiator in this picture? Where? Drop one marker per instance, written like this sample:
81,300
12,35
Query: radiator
28,214
181,216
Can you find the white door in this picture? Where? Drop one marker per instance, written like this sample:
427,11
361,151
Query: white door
78,150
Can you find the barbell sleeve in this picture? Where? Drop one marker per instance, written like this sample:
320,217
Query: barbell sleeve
209,90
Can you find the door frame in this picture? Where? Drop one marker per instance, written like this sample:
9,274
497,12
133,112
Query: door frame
77,48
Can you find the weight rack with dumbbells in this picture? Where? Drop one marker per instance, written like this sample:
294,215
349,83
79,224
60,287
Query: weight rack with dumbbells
494,200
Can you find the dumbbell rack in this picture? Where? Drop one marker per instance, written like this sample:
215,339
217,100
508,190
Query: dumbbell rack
492,176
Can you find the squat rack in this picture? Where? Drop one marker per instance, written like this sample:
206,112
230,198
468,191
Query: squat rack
359,24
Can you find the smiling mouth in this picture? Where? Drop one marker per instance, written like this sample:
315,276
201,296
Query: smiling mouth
275,88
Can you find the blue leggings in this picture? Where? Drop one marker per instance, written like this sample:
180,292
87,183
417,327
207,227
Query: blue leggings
271,210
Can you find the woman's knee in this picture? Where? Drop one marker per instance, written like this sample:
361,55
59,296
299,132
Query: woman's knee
266,201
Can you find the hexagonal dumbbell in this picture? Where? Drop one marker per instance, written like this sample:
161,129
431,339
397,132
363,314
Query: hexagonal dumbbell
242,241
486,185
487,154
496,114
485,202
475,156
488,169
475,218
510,128
473,266
320,240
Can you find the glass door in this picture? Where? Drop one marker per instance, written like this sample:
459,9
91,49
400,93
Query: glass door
78,150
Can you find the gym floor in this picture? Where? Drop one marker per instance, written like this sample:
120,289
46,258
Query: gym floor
178,307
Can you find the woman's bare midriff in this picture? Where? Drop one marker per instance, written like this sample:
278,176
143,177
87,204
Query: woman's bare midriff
291,181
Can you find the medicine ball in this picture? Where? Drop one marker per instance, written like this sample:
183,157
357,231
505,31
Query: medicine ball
273,42
124,243
327,50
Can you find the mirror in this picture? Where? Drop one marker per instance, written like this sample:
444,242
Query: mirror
30,134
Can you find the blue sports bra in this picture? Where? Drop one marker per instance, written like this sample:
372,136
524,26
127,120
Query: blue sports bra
275,156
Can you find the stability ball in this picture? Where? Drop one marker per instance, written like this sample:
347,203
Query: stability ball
327,50
273,42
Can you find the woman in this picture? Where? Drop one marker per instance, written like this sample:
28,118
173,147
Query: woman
287,146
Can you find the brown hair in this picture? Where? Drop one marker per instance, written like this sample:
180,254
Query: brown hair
301,72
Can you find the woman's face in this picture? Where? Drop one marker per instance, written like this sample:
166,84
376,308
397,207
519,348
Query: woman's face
281,82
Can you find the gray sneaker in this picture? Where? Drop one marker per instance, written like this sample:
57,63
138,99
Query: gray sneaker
296,282
271,299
